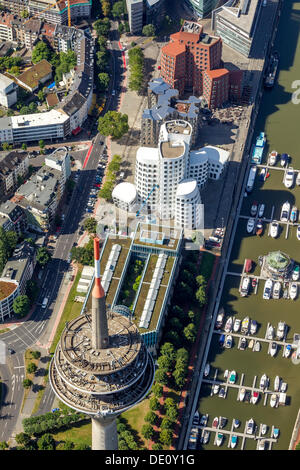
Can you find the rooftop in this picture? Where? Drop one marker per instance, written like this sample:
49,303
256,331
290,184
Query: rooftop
171,150
35,74
178,127
7,288
186,187
235,15
125,192
211,153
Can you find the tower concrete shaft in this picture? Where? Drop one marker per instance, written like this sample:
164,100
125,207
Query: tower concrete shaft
100,338
104,434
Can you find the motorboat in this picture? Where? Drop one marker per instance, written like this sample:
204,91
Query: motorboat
275,433
220,437
248,265
250,426
206,370
242,394
222,392
215,422
261,444
196,417
236,325
284,159
245,325
293,290
261,210
298,232
232,377
285,294
245,286
277,381
272,158
274,229
205,437
255,397
285,212
262,174
268,289
298,179
203,420
270,332
228,342
221,340
220,318
228,325
253,327
263,382
233,441
280,330
273,400
254,282
273,349
276,290
236,423
250,225
289,177
215,389
264,429
226,373
222,422
251,179
296,273
243,343
294,214
256,346
259,228
251,344
287,350
254,208
283,387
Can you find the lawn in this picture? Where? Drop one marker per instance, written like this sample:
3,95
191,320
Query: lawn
80,433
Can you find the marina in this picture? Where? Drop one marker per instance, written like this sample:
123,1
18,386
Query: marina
279,123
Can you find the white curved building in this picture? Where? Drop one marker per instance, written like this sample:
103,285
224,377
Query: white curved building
207,163
125,196
187,206
9,290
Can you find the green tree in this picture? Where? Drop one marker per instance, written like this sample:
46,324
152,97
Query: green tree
41,95
103,81
191,315
161,376
165,437
201,281
24,14
179,376
23,438
21,305
201,296
174,338
118,9
41,144
121,28
4,445
31,368
172,413
68,445
27,383
46,442
157,446
43,256
113,124
154,404
102,27
41,51
147,431
151,417
165,362
5,146
90,225
35,354
168,349
166,423
105,7
190,332
148,30
157,389
24,146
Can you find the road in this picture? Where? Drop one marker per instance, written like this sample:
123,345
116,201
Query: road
39,327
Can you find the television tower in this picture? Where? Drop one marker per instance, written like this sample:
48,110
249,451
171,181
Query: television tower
101,366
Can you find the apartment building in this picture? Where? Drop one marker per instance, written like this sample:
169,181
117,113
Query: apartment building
35,76
216,87
12,218
236,22
135,9
20,265
13,166
57,12
154,12
7,32
17,7
60,160
8,91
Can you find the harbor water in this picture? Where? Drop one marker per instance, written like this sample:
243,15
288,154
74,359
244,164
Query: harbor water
278,117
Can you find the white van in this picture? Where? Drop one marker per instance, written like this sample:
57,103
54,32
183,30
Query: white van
45,302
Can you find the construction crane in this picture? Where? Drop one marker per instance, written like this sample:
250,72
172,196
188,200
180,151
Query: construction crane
69,13
144,202
49,8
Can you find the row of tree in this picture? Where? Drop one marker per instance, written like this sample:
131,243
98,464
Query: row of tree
136,66
36,425
111,175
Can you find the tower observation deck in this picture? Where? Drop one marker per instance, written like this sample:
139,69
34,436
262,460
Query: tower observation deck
101,366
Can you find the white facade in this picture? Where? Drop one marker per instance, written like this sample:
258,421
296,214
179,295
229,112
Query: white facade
207,163
147,175
187,207
125,196
60,160
8,91
6,304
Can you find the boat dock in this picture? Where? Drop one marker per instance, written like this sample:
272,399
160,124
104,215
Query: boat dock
249,337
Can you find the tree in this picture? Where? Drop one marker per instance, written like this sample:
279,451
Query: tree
90,225
148,30
190,332
35,354
172,413
166,423
24,146
68,445
5,146
105,7
201,281
165,362
169,403
113,124
41,144
154,404
151,417
31,368
157,446
179,376
168,349
41,95
165,437
102,27
41,51
118,9
31,291
21,305
103,81
174,338
121,28
23,438
27,383
147,431
46,442
191,315
4,445
43,256
157,389
201,296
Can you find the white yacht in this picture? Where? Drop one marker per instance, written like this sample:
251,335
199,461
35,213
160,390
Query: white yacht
270,332
245,286
274,229
277,290
293,290
268,289
296,273
272,158
261,210
250,426
263,382
280,330
273,349
298,232
277,382
285,212
289,176
273,400
250,225
236,325
298,179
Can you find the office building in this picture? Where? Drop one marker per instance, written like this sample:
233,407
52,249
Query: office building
9,291
236,22
8,91
135,9
216,87
202,8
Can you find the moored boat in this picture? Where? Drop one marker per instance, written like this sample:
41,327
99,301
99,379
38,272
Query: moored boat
285,212
264,429
222,392
298,179
284,159
275,433
256,346
289,176
274,229
263,382
259,228
222,422
232,377
221,340
283,387
287,350
268,289
296,273
254,282
261,444
277,381
280,330
206,370
233,441
206,437
242,394
254,208
261,210
228,325
196,418
226,373
203,420
273,400
262,174
251,344
236,325
294,214
251,178
250,225
255,397
228,342
245,286
245,325
215,422
215,389
250,426
293,290
236,423
253,327
298,232
220,318
248,265
273,349
277,290
243,343
272,158
270,332
219,440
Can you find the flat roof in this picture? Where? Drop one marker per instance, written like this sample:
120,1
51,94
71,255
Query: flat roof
149,154
171,151
37,72
125,192
186,187
39,119
209,152
243,21
7,287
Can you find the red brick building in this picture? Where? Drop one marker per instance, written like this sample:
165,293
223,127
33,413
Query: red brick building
216,87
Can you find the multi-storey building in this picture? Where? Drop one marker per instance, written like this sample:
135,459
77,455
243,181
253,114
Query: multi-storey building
13,166
202,7
154,12
21,265
236,22
7,32
17,7
216,87
35,76
8,91
135,9
189,53
56,12
12,218
9,291
60,160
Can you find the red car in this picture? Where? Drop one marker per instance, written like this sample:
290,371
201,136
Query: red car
159,67
97,185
